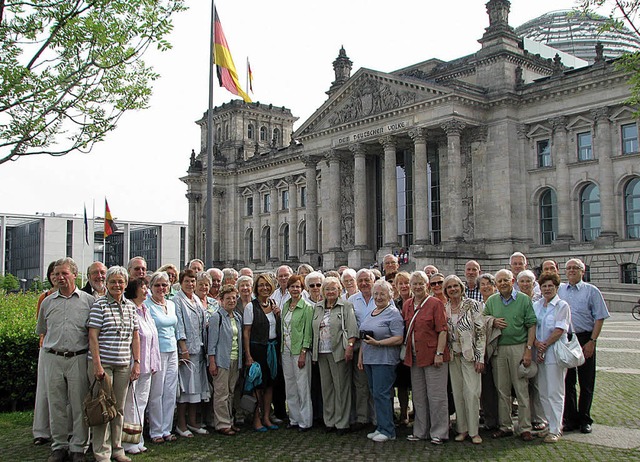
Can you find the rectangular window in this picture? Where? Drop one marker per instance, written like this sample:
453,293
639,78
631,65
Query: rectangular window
266,205
285,200
303,196
544,153
585,151
69,238
629,273
249,206
629,138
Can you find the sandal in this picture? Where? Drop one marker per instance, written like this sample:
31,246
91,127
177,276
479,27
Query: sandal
226,432
170,437
184,434
157,440
539,426
235,429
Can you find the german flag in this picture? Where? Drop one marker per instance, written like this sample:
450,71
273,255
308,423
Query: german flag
109,225
225,68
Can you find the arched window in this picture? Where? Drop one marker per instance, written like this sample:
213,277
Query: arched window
632,209
250,131
276,135
219,134
548,217
590,212
267,243
249,244
302,238
263,133
285,242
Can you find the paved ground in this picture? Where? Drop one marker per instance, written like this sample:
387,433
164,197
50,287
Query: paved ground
616,435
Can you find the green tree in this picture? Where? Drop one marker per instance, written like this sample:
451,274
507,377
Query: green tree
10,282
69,69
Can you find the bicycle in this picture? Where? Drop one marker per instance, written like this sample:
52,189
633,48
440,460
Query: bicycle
635,311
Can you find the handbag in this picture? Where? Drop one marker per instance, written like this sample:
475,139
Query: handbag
131,432
100,408
569,354
345,337
403,347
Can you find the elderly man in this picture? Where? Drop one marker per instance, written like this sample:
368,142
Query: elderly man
196,265
512,312
229,276
550,266
281,294
390,264
246,272
137,268
63,319
95,286
471,273
363,304
518,262
588,312
216,281
430,270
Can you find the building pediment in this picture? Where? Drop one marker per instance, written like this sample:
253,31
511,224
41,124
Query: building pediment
366,95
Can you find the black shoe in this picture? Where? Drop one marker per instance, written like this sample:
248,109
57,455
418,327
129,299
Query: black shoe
304,429
586,428
292,426
39,441
59,455
342,431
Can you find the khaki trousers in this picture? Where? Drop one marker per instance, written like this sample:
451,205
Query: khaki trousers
466,384
505,375
223,386
335,378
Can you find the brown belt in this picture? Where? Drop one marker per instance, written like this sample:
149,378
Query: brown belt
67,354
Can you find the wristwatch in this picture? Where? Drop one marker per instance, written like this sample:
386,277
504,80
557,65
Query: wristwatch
439,353
136,361
529,347
593,340
350,344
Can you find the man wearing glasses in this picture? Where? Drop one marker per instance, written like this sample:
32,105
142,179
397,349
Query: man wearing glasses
588,312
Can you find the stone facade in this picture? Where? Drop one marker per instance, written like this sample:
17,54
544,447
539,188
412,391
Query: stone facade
491,153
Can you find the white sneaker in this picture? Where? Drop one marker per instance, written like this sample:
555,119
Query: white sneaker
373,434
381,438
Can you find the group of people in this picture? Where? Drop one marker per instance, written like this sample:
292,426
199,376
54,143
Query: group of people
217,347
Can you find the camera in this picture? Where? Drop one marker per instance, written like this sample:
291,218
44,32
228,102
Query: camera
364,333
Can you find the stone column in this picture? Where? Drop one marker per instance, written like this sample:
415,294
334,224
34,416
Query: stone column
361,207
193,199
293,218
602,151
563,191
390,191
273,219
256,224
333,207
452,214
311,213
420,187
217,228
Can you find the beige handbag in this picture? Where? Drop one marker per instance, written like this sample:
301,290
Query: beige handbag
100,408
131,431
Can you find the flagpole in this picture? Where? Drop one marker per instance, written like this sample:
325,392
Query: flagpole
209,205
247,82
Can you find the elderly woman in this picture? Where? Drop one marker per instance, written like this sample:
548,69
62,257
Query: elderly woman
136,402
427,355
436,285
203,284
296,341
526,282
113,341
304,269
192,370
334,334
487,284
348,280
467,335
244,286
261,337
164,383
225,358
553,321
313,282
383,331
403,373
172,272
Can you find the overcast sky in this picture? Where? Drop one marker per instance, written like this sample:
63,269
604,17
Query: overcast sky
291,45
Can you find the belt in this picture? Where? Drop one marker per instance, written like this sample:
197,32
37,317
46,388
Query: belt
67,354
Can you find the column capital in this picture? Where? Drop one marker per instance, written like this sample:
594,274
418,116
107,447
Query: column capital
388,142
600,114
217,192
453,127
290,179
358,150
522,130
193,197
558,123
310,161
418,135
332,156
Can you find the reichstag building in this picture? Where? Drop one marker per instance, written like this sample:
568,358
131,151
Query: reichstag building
502,150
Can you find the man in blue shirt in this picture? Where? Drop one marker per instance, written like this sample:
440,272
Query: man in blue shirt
588,312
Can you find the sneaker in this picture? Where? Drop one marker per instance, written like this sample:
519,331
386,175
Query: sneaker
381,438
413,438
436,441
551,438
373,434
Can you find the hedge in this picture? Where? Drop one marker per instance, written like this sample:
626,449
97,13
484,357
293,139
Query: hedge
18,350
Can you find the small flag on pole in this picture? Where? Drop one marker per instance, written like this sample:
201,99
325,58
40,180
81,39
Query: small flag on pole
250,75
86,225
225,68
109,225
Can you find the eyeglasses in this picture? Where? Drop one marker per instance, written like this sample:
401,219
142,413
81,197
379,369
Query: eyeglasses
161,285
573,268
264,286
315,286
436,283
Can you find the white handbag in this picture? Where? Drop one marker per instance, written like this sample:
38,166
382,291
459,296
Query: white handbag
569,354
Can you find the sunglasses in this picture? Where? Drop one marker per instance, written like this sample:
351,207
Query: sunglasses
436,283
315,286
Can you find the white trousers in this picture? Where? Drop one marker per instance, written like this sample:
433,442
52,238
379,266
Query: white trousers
466,384
298,389
551,389
162,396
140,389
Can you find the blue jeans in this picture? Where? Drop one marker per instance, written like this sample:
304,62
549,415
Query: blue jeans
381,379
